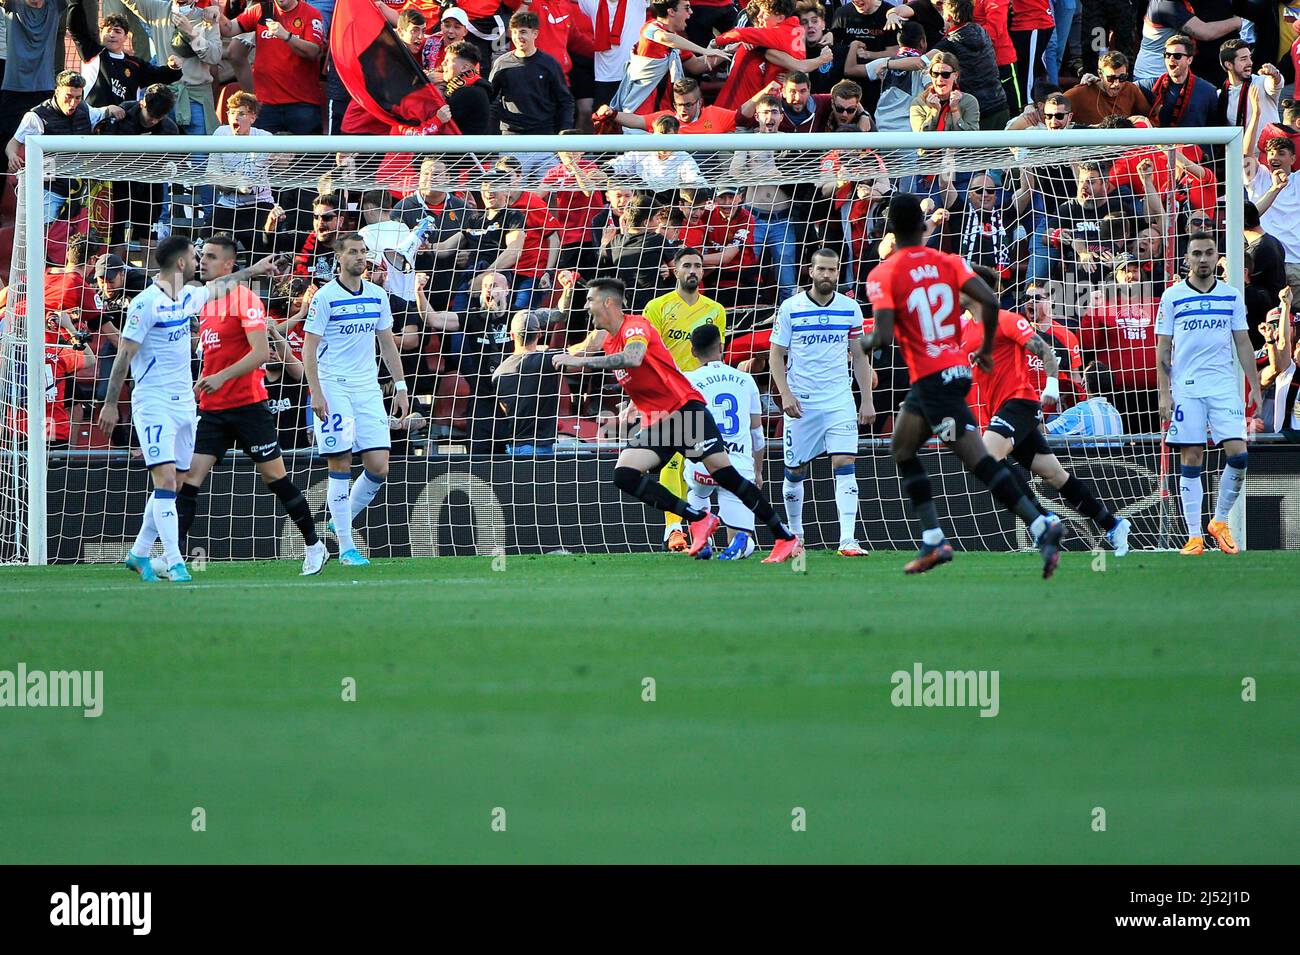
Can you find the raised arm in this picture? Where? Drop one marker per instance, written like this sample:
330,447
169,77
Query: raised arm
1198,29
266,265
630,357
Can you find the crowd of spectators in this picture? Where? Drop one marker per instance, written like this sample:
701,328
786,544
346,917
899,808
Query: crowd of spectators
484,270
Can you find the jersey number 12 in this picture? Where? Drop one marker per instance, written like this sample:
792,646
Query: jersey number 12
932,306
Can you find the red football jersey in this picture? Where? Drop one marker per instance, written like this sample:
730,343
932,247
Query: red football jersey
923,287
574,210
1010,376
280,75
1122,335
1068,355
221,337
721,232
61,363
750,71
655,386
538,225
713,119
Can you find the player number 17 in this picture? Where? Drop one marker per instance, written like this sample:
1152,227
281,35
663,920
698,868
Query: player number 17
932,306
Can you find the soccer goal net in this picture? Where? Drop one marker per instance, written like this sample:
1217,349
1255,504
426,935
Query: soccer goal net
483,246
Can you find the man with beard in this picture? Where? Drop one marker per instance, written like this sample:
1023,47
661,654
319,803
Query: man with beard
674,316
1079,228
815,343
1248,99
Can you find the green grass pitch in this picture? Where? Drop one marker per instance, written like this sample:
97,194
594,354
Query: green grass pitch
521,688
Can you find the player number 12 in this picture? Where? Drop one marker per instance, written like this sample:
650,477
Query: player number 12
932,306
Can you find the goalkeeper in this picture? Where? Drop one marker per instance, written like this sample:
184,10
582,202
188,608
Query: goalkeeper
674,316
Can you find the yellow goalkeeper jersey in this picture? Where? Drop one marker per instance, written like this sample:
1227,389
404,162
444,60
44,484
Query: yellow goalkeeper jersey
674,320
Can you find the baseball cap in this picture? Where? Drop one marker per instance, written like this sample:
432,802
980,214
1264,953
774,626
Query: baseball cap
457,14
109,266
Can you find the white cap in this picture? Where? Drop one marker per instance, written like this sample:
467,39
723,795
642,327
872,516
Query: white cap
456,13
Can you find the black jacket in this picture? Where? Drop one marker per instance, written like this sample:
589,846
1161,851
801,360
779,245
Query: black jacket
979,67
111,81
471,108
530,96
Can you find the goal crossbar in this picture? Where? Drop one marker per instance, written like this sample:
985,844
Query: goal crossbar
41,147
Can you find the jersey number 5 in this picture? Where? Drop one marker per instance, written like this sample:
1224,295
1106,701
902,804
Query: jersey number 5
932,306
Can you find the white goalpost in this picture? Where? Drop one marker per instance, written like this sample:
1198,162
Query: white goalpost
509,456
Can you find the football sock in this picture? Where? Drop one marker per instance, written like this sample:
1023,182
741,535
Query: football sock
673,477
1083,501
164,516
917,485
295,505
997,478
341,510
363,492
792,491
729,479
1234,476
649,491
187,505
846,502
143,545
1189,486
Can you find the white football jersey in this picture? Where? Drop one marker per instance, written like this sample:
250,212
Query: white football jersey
160,325
732,396
817,339
1201,324
346,323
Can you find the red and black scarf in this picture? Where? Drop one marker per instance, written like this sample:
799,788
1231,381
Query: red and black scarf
462,80
607,36
1180,104
1243,103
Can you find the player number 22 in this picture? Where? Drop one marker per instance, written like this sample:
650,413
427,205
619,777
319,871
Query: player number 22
932,306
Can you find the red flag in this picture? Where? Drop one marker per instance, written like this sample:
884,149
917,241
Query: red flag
380,73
